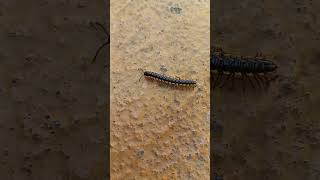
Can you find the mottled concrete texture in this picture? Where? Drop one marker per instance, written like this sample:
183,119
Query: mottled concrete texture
272,133
159,132
53,100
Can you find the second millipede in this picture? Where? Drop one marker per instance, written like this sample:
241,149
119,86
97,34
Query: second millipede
222,63
168,79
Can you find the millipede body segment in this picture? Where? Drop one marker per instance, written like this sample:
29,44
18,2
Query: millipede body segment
168,79
247,65
255,66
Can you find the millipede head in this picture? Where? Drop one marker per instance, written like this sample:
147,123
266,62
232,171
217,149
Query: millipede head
148,73
270,66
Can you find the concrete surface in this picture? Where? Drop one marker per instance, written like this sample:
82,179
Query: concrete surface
53,100
271,133
159,132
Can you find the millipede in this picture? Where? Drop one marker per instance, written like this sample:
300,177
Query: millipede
169,80
257,67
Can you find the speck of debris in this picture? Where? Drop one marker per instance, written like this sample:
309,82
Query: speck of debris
189,157
163,69
140,153
175,9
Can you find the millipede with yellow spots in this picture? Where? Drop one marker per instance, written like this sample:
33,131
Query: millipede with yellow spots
170,80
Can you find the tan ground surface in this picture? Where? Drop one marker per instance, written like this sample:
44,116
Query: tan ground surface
159,132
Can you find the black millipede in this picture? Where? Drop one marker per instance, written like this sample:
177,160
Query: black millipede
170,80
255,66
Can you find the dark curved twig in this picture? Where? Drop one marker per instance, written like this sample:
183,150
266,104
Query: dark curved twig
97,52
94,25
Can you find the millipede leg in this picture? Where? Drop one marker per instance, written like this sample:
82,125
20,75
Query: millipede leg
272,78
249,80
266,79
259,55
216,82
226,80
258,81
243,82
140,77
232,81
